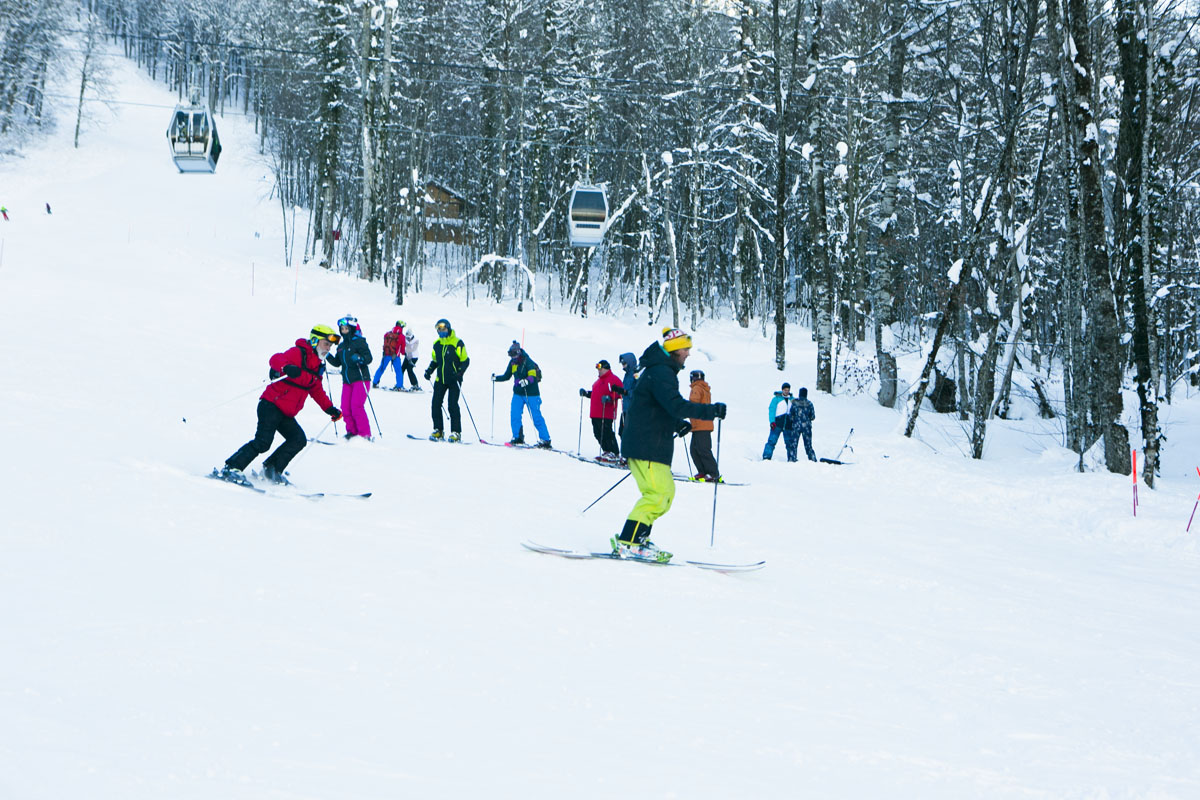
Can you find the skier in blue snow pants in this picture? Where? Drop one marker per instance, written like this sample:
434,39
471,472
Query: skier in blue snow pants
526,375
778,419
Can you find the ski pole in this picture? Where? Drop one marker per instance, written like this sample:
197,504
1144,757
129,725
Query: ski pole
492,429
687,453
238,397
378,429
579,443
318,436
712,537
469,414
329,388
601,497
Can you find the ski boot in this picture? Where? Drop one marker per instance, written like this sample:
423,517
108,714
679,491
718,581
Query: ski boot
455,436
634,543
516,442
544,444
233,475
436,436
275,476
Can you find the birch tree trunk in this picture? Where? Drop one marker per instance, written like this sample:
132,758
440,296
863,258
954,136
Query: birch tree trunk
888,268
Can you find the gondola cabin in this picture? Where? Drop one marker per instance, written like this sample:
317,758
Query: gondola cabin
192,135
587,215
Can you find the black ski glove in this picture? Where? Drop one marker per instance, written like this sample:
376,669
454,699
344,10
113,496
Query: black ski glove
719,409
334,413
428,372
292,371
684,429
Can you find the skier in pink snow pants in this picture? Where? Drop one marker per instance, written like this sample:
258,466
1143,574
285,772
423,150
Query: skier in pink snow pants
353,355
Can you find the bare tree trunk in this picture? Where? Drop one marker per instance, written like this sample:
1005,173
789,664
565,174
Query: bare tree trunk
887,269
1104,345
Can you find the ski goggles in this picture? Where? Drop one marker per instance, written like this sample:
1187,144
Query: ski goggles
348,322
332,338
443,329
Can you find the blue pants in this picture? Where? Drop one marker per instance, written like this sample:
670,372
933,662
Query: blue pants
535,410
769,450
395,362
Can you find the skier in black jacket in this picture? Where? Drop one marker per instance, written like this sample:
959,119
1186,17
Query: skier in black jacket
657,414
352,356
450,361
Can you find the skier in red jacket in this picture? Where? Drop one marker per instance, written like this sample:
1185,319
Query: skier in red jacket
298,372
604,393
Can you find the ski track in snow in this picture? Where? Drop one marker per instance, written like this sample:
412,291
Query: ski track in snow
926,626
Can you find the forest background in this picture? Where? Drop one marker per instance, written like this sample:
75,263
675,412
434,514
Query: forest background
1003,186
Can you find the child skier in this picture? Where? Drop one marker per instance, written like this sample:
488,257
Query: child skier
526,375
450,361
702,453
656,415
605,393
393,355
411,348
298,372
353,355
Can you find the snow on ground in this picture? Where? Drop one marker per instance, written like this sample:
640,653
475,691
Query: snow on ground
927,625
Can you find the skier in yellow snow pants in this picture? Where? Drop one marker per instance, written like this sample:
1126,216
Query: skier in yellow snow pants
657,413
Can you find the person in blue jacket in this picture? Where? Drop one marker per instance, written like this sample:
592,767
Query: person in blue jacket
628,382
525,375
777,416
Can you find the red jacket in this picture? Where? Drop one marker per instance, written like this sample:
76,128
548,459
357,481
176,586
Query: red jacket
393,342
602,388
289,394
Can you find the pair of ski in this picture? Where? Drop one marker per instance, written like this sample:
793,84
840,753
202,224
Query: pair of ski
247,484
438,441
603,462
585,554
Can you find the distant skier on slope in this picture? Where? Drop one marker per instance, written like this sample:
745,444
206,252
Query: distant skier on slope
702,452
411,347
629,362
800,420
298,371
393,355
525,375
605,393
353,355
778,419
656,415
450,362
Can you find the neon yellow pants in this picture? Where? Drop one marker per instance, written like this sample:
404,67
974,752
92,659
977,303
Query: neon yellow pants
657,487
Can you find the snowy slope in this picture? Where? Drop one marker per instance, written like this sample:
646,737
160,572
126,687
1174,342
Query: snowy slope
927,625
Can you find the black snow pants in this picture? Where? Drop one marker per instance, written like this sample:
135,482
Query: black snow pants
602,429
450,393
702,454
270,421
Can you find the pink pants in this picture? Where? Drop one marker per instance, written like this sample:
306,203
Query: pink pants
354,408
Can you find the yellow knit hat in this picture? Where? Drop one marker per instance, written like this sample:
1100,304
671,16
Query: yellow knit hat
675,339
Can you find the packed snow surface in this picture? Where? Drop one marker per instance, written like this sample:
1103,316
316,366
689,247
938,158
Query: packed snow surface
926,626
